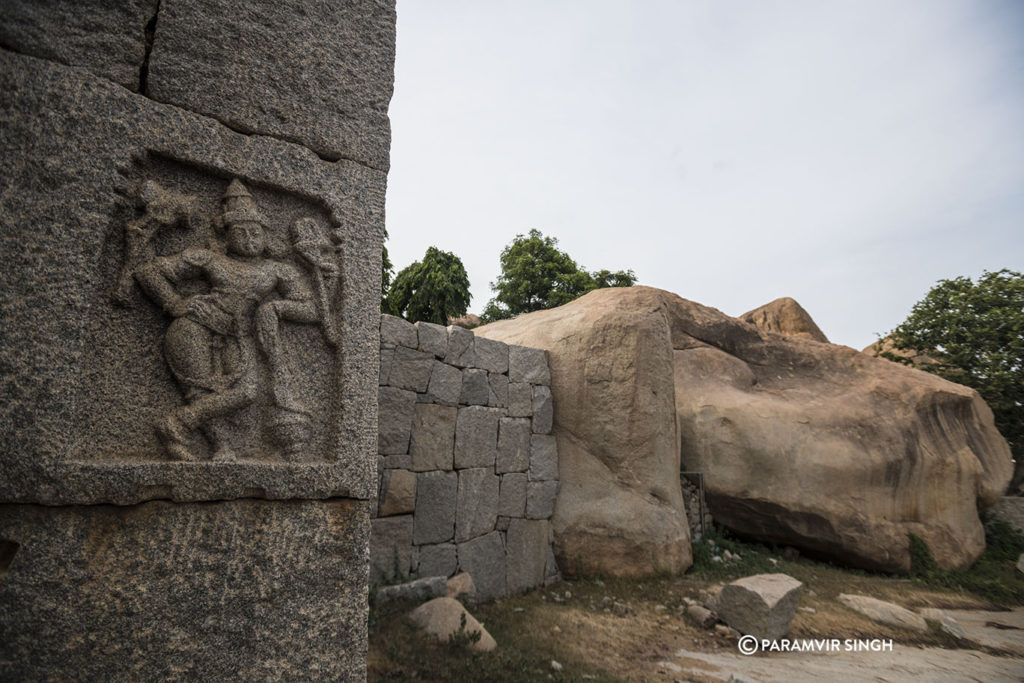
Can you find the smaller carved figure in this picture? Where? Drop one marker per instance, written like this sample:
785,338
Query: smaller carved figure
217,340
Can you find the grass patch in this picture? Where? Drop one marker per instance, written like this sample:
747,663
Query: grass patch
993,577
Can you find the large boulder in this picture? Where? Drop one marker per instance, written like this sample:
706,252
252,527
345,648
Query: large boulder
785,316
620,509
801,443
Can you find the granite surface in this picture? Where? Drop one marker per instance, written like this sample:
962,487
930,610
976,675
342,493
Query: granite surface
240,590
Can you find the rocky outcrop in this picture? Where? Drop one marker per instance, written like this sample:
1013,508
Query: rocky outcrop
785,316
884,612
619,511
801,443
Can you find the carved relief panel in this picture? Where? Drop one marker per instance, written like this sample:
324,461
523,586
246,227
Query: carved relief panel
249,293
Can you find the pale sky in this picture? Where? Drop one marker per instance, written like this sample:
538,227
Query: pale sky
848,154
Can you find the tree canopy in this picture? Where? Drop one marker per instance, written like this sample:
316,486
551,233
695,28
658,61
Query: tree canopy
536,275
975,332
431,290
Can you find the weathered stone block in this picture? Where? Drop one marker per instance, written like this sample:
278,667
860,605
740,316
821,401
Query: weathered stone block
438,560
397,493
543,412
418,590
460,347
394,423
540,499
233,590
761,606
107,38
387,357
543,457
491,355
411,369
401,461
445,384
526,547
391,548
528,365
394,330
475,389
497,397
261,80
484,559
513,445
477,507
476,437
436,493
433,437
512,496
520,399
432,338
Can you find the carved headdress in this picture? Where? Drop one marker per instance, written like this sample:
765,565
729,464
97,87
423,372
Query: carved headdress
238,206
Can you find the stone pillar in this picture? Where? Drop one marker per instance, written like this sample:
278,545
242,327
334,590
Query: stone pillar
191,207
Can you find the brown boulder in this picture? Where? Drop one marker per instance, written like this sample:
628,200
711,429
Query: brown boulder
619,511
785,316
802,443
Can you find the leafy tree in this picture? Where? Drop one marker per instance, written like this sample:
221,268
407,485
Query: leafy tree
975,332
536,275
387,271
432,290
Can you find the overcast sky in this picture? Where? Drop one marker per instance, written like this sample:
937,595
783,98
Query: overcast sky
848,154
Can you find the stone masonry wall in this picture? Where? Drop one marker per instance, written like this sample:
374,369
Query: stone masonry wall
468,466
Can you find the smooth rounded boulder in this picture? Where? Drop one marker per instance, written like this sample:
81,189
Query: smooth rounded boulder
619,511
801,442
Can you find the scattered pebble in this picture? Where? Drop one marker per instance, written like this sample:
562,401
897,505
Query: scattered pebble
809,610
555,629
555,666
519,609
660,608
568,595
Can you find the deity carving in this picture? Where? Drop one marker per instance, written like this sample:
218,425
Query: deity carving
223,344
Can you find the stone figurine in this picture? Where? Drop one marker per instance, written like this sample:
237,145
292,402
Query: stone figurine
217,340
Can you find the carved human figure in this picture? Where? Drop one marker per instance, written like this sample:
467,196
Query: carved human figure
216,339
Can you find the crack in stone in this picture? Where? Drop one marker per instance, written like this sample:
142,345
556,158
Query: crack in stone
150,33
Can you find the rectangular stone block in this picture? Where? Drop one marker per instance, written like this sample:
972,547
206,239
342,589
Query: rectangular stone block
438,560
397,493
107,38
526,547
394,423
394,330
433,437
490,355
483,558
460,347
512,496
391,549
475,389
476,437
528,365
411,369
477,507
248,66
88,359
445,385
397,462
513,445
497,397
520,399
540,499
387,357
436,493
233,590
543,411
433,338
543,457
